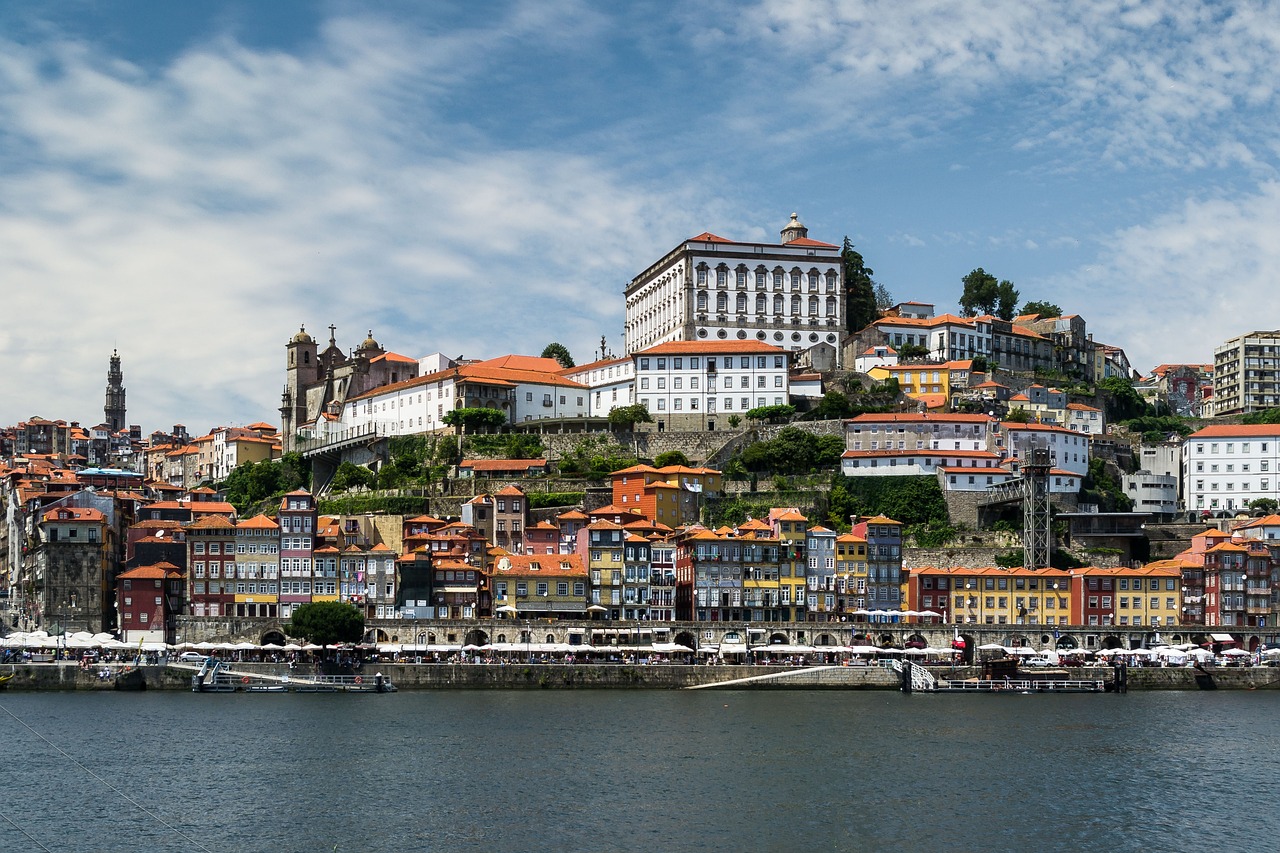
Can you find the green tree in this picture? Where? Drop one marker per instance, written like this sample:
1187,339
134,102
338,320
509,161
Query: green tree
1044,309
476,419
1266,416
860,308
326,622
1265,505
624,418
1018,415
984,294
559,352
251,483
1121,399
670,457
833,406
351,476
884,299
772,414
912,352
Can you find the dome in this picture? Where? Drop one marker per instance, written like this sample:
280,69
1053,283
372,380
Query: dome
302,337
370,343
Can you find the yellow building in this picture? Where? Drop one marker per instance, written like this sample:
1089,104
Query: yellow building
257,567
791,528
992,595
851,573
930,384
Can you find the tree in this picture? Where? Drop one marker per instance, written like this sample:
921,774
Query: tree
884,299
475,419
1018,415
559,352
834,406
1044,309
1264,505
624,418
912,352
670,457
860,309
351,476
772,414
326,622
984,294
252,483
1122,401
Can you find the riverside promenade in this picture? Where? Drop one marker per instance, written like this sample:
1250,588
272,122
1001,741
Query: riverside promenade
67,676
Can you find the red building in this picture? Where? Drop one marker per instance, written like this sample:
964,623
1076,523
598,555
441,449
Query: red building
148,600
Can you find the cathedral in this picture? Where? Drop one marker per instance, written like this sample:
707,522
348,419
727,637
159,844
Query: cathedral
318,382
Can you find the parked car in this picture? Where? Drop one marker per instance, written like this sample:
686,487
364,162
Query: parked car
191,657
1038,660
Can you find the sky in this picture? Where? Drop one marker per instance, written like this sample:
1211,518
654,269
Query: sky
189,183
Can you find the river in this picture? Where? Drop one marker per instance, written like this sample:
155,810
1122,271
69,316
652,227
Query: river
638,770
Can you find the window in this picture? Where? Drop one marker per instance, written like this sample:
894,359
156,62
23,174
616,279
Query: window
542,587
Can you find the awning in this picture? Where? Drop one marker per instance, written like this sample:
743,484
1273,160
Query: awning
1222,638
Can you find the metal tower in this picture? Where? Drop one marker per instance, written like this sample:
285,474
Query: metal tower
1037,535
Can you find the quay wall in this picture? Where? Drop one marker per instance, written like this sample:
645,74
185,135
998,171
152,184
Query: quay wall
515,676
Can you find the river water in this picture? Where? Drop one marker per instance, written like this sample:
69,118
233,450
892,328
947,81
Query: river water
579,770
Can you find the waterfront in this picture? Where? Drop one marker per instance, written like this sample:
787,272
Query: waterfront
608,770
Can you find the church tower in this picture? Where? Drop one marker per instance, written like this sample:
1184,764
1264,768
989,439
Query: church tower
113,412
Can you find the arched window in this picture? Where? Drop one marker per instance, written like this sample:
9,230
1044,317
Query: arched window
742,303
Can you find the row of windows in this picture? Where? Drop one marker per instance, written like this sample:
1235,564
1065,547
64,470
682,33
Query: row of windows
779,276
762,304
677,403
1230,468
744,381
727,362
1245,447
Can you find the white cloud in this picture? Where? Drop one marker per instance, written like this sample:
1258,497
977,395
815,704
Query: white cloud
1173,289
194,216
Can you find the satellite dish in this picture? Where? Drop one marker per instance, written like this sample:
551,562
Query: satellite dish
504,565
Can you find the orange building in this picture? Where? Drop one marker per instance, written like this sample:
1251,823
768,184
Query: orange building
670,495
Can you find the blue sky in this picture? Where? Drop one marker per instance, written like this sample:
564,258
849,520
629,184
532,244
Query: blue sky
190,182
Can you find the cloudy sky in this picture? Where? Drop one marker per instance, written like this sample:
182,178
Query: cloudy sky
189,183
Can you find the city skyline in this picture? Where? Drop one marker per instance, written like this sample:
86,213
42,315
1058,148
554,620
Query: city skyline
189,185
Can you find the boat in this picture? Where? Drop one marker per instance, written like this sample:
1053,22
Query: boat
1001,676
215,676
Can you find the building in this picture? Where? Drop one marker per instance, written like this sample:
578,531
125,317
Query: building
211,555
1224,467
114,412
790,294
671,495
257,567
540,587
610,383
930,384
1246,374
298,526
1156,494
693,384
884,561
148,601
71,585
319,383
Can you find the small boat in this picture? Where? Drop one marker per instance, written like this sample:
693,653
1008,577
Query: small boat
998,676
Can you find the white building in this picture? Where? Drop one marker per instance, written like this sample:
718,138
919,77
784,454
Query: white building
1153,493
947,337
1225,467
789,294
1246,374
690,384
1069,450
610,382
525,387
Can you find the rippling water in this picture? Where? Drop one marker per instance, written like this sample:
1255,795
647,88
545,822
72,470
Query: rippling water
642,770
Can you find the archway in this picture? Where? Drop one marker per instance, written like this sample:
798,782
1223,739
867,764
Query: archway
968,647
824,640
551,638
916,641
1254,642
475,637
272,637
1067,643
778,638
885,641
686,639
1111,641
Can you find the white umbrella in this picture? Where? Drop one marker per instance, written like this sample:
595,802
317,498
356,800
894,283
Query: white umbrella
292,647
508,608
1023,650
913,652
863,650
1235,653
991,647
272,647
244,647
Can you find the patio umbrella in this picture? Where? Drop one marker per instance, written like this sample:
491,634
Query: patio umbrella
1235,653
508,608
991,647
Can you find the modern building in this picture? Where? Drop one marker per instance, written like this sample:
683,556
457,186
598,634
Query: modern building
1246,374
789,294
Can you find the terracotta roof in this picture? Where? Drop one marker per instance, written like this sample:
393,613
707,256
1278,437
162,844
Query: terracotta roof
807,241
159,571
711,347
912,417
547,565
1238,431
708,237
259,522
502,464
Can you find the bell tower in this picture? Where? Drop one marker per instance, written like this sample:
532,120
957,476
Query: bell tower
113,413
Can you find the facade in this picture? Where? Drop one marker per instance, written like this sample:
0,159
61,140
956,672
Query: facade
610,383
1069,450
148,602
211,556
541,587
114,412
884,561
257,567
790,294
930,384
1153,493
298,527
694,384
671,495
1224,467
1246,374
71,583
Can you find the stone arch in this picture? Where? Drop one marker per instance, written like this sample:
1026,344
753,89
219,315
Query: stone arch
502,638
1111,641
1067,643
1254,642
970,648
274,636
1018,640
778,637
475,637
380,636
824,640
917,640
885,640
551,638
686,639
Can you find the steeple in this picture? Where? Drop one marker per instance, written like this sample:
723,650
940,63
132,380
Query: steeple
794,230
114,411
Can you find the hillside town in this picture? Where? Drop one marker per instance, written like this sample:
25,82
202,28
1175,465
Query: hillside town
776,444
